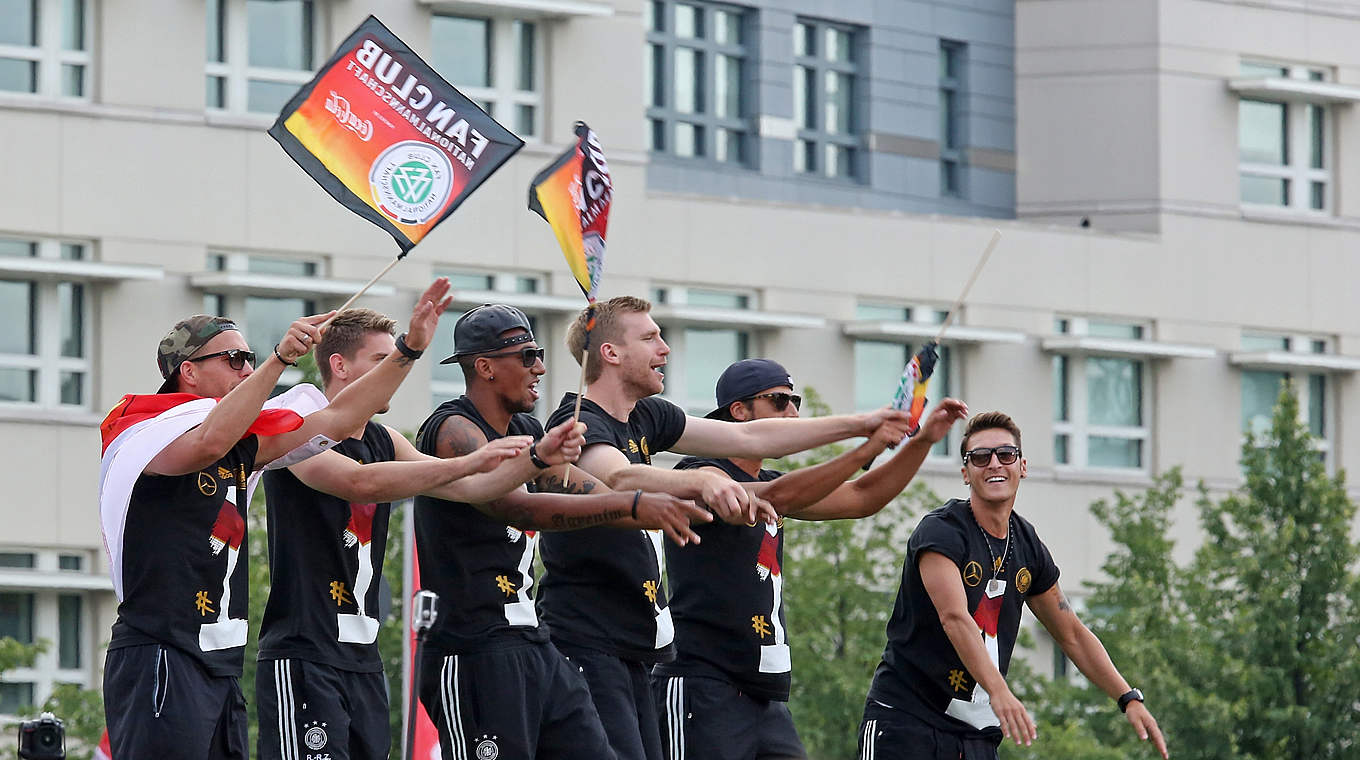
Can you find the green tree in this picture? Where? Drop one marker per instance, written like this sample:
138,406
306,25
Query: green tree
841,576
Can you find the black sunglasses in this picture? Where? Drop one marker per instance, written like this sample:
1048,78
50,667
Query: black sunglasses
780,400
983,457
527,355
236,357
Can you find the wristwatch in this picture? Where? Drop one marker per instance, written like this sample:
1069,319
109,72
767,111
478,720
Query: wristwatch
533,457
1132,695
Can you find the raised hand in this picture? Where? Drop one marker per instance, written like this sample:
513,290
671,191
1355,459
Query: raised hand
1146,726
490,456
872,421
941,418
661,511
562,444
728,500
301,337
425,317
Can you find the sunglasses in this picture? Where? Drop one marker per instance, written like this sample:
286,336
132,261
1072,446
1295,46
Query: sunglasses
236,358
780,400
983,457
527,355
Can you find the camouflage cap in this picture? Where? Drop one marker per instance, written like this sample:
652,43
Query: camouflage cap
185,339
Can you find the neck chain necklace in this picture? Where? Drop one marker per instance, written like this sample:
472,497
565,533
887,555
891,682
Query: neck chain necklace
997,564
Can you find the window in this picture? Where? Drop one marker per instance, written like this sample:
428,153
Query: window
45,47
825,76
263,319
1261,387
1284,147
496,62
45,346
16,622
700,353
259,52
56,613
696,81
446,380
879,364
1100,406
952,135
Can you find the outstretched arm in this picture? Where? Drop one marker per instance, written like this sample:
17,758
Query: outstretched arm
944,584
868,494
775,437
459,434
370,393
725,497
1085,651
233,415
338,475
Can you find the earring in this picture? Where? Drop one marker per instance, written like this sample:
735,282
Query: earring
491,379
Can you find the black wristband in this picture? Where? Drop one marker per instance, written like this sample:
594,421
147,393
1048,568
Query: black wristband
280,357
407,351
1132,695
533,457
636,496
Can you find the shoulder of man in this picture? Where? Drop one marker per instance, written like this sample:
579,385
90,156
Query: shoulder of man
939,526
666,421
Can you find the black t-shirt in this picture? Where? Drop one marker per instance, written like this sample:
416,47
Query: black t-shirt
921,672
481,568
727,596
184,563
325,567
603,587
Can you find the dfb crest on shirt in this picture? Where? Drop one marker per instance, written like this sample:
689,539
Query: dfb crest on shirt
487,749
315,736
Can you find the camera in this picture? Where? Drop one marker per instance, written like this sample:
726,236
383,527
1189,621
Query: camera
42,739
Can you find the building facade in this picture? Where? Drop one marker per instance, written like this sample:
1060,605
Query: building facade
806,180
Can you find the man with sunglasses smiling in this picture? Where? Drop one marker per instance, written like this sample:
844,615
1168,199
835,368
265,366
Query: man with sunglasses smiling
940,691
493,683
725,695
603,594
174,488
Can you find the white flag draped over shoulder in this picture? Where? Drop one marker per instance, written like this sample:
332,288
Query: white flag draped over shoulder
140,427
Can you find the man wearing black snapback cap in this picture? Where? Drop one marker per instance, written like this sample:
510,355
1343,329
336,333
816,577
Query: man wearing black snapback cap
174,487
603,594
493,684
724,695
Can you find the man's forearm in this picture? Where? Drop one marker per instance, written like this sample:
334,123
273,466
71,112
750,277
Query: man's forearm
561,512
809,485
486,486
1090,657
963,635
362,399
879,485
778,437
228,421
684,484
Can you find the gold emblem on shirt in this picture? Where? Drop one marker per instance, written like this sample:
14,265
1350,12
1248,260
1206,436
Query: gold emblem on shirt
339,594
202,603
972,573
223,473
206,485
649,590
958,680
1022,580
760,626
506,585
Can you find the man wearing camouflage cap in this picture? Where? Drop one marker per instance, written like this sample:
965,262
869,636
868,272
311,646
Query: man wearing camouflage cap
174,485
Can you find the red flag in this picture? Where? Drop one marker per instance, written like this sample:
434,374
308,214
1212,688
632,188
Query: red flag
135,408
103,751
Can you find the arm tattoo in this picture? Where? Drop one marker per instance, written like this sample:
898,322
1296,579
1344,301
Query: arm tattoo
404,361
572,522
1062,602
457,437
553,484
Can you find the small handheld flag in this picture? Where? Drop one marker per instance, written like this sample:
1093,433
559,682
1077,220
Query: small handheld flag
574,194
911,388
